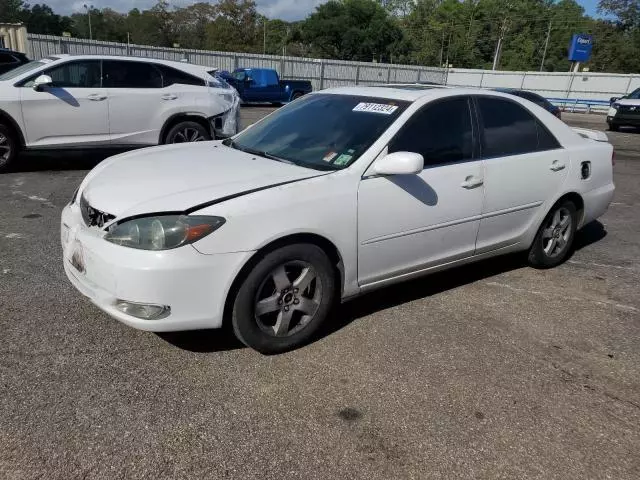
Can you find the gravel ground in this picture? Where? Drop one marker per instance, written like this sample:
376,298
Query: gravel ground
488,371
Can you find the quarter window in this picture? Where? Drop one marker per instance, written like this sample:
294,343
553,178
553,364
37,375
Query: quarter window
171,76
441,133
125,74
509,129
83,74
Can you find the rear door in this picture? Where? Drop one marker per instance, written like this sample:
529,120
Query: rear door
72,111
136,101
524,169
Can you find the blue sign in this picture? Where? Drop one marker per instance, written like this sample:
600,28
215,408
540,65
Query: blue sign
580,48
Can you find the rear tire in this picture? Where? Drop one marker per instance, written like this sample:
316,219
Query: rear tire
187,132
284,299
295,96
9,148
613,127
554,239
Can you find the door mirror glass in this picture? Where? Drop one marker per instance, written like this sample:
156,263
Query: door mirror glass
399,163
41,82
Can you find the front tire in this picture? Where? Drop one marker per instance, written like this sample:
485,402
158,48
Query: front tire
554,239
187,132
284,299
9,148
613,127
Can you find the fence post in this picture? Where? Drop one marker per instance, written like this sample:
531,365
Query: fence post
357,74
321,74
235,61
481,78
388,74
282,64
418,77
629,84
60,45
524,75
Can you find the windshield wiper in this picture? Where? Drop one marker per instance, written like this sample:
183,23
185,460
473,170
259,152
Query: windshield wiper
260,153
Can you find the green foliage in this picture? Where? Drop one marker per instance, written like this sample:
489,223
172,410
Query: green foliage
463,33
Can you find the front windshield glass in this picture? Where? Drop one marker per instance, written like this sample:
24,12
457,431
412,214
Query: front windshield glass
321,131
635,94
27,67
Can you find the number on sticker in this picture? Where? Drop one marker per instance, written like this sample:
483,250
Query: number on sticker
375,108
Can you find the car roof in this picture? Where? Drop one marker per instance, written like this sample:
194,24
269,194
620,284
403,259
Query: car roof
184,66
401,92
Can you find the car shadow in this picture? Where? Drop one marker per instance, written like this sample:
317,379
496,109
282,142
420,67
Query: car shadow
219,340
47,160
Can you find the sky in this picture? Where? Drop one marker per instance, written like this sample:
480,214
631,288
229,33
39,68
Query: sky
283,9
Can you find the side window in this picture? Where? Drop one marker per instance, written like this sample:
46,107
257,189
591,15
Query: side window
171,76
125,74
82,74
538,100
240,76
271,78
5,59
441,132
508,129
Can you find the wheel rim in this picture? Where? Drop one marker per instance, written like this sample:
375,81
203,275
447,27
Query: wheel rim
5,147
188,135
555,236
288,299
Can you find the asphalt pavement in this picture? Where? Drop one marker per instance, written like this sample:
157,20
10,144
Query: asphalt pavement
489,371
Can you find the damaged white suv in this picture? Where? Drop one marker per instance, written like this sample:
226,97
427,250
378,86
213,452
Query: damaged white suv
70,101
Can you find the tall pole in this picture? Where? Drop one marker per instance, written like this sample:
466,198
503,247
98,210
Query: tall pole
546,44
264,36
88,9
496,56
442,48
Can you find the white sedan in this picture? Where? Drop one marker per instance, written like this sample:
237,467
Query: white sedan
337,194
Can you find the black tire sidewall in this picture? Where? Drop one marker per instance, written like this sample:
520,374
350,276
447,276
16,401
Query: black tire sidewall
186,124
244,325
5,164
537,257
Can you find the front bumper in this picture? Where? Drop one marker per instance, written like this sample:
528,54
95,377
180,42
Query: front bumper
624,116
193,285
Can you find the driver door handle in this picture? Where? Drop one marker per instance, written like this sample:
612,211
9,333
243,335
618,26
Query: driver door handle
556,166
97,97
169,96
471,182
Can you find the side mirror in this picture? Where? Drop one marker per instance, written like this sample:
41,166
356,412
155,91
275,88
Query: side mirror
613,99
399,163
248,79
41,82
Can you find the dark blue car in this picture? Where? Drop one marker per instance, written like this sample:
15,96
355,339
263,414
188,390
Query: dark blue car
533,97
262,85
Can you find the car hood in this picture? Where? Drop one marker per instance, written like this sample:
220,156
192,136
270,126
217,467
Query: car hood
180,177
628,101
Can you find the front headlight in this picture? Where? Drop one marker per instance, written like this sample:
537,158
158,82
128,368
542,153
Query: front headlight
162,232
616,106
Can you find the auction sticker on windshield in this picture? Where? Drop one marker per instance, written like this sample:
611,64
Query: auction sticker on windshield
375,108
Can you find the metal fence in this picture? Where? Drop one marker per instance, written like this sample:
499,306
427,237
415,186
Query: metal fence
321,73
574,87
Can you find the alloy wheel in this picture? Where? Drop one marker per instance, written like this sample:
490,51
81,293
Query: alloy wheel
557,232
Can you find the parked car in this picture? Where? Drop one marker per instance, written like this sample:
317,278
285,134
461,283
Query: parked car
256,85
339,193
99,101
624,111
535,98
10,59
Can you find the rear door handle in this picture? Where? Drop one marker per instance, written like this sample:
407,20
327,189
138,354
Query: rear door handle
97,97
556,166
471,182
169,96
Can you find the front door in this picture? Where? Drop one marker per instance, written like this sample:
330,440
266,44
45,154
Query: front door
524,169
73,111
411,222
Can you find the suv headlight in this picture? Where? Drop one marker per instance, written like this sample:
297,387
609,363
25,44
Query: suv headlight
162,232
616,106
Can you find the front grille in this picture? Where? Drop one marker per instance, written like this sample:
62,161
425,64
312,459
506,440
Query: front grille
629,109
93,217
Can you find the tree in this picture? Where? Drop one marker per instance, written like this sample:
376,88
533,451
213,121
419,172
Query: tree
627,11
352,30
11,10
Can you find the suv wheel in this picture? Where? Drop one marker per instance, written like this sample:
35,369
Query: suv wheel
8,147
186,132
285,299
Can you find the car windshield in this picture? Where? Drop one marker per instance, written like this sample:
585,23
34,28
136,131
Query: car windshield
635,94
321,131
27,67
